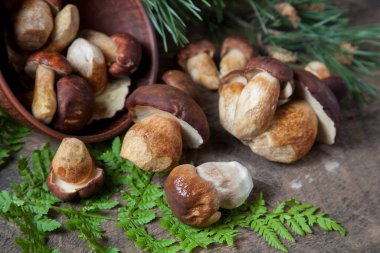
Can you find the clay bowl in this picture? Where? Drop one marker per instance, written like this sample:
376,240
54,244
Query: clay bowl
105,16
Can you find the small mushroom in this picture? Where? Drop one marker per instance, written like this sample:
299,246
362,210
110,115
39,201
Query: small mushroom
319,69
88,61
281,54
75,100
121,51
231,179
154,143
323,101
192,199
66,26
235,53
74,172
196,59
290,136
337,86
33,24
111,100
287,10
182,81
43,66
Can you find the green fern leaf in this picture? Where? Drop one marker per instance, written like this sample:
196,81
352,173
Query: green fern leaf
280,229
293,224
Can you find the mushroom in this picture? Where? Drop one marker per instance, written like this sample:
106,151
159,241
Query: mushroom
287,10
323,101
75,100
182,81
178,108
154,143
290,136
66,26
33,24
337,86
281,54
196,194
258,100
192,199
235,53
121,51
88,61
55,5
319,69
196,59
111,100
74,172
43,66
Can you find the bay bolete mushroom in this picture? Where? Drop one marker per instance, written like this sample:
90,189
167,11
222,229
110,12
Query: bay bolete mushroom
75,100
74,173
66,26
290,136
196,194
44,66
121,50
180,80
33,24
177,106
235,53
196,59
323,101
88,61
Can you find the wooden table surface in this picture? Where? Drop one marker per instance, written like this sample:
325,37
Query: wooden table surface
342,179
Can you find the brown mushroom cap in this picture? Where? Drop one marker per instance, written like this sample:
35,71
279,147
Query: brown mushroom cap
273,66
75,100
233,77
194,48
180,80
193,200
337,86
50,60
236,42
129,53
323,101
173,101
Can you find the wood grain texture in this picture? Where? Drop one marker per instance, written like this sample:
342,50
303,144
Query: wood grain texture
342,179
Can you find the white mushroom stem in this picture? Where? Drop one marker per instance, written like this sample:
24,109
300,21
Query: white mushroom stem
234,59
202,70
44,99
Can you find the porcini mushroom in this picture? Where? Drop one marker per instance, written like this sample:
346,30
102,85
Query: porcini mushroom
75,100
121,51
319,69
196,194
235,53
43,66
66,26
180,80
196,59
337,86
74,172
290,136
323,101
287,10
178,108
88,61
55,5
33,24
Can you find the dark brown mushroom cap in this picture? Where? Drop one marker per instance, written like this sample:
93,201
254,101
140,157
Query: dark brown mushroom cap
337,86
55,5
180,80
273,66
48,59
128,52
87,190
171,100
194,48
239,43
192,199
306,81
75,100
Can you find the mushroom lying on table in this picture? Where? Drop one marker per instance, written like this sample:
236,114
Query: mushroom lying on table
195,194
167,104
182,81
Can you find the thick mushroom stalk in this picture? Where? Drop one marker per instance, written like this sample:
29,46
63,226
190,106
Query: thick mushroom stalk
291,135
235,54
43,66
74,172
196,59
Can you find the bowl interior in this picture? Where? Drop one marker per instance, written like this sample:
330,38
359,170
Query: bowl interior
109,17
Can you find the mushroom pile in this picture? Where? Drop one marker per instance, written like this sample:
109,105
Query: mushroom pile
91,83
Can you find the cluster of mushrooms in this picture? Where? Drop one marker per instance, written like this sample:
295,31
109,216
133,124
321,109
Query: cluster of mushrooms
90,83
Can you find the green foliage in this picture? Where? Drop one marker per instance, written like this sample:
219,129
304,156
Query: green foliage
141,204
11,136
